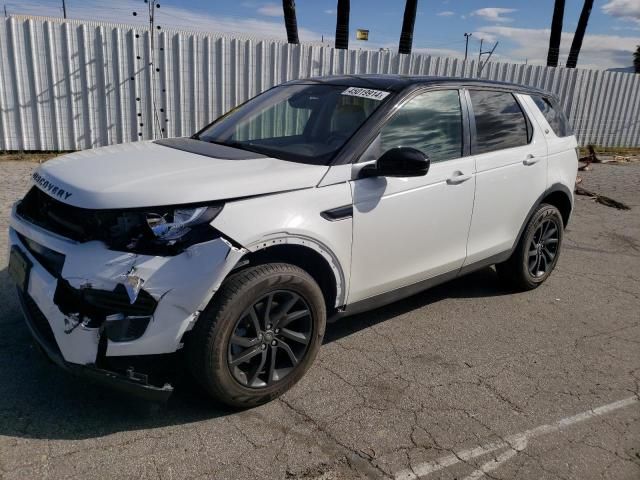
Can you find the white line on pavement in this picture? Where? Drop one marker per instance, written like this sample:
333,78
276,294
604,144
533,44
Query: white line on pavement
514,442
493,464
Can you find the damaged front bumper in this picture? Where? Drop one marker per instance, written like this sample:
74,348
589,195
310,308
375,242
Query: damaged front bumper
85,304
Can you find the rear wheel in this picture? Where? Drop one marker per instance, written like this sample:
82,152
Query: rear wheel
537,253
259,336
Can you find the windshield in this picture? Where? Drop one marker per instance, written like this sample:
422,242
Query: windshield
305,123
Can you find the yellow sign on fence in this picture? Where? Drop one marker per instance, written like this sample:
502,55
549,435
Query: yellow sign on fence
362,34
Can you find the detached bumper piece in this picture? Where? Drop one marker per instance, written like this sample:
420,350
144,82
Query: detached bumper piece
131,382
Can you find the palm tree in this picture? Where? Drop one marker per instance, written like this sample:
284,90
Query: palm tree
576,44
556,33
290,22
408,22
636,59
342,24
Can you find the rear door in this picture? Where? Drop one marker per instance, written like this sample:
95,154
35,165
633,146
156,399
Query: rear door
511,164
561,143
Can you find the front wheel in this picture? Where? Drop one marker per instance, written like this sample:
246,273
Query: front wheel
259,335
537,253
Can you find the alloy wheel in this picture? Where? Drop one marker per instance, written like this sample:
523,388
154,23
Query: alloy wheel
543,248
270,339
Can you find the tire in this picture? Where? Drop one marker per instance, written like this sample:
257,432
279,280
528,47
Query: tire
517,273
227,332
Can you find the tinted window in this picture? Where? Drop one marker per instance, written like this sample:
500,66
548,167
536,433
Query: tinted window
554,116
431,122
500,122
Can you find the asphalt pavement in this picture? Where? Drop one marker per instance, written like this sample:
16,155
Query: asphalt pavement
465,381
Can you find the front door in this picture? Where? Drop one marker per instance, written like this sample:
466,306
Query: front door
406,230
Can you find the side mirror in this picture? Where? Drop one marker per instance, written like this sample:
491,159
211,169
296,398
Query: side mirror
399,162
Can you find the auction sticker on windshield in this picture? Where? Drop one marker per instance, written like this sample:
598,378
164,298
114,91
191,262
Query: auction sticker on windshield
365,93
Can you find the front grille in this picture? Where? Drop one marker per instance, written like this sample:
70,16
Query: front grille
72,222
39,322
51,260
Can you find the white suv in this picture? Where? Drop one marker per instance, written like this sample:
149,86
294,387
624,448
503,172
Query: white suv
316,199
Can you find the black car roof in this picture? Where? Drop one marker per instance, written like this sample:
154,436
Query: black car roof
396,83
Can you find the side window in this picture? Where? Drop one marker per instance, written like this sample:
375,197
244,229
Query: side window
500,122
430,122
554,116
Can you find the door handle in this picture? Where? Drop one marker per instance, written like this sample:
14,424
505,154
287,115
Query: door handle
530,160
457,178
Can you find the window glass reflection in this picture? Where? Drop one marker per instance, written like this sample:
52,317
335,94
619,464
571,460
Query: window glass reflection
500,122
431,122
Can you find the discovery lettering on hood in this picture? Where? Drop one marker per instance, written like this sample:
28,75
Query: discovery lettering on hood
50,187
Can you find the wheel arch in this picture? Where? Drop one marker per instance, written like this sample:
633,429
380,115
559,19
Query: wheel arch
310,255
560,197
557,195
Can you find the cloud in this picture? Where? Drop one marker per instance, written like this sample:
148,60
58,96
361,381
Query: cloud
494,14
330,12
168,17
271,10
619,28
598,51
624,9
446,13
438,52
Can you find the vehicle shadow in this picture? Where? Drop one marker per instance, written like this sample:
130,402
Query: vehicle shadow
482,283
38,400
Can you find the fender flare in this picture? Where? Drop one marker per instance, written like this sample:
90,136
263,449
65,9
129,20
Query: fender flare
556,187
284,238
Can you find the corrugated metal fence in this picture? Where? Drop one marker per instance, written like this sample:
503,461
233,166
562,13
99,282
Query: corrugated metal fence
75,85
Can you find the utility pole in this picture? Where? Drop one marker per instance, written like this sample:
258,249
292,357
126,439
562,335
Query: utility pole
466,45
5,10
64,9
488,52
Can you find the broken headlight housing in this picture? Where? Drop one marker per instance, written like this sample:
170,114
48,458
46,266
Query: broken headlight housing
164,230
171,226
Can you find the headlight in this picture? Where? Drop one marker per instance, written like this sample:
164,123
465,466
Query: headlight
160,231
174,225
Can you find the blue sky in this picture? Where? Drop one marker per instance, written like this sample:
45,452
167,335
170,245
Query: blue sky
520,27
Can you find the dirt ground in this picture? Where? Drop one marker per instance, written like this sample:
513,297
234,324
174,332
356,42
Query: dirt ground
461,381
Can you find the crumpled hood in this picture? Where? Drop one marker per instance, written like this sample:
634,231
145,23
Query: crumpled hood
146,174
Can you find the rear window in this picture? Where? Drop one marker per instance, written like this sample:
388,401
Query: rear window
500,122
554,115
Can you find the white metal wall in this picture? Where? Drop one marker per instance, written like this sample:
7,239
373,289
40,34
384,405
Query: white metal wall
75,85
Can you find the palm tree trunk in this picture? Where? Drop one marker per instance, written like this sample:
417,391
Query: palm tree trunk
342,24
556,33
578,37
290,22
408,22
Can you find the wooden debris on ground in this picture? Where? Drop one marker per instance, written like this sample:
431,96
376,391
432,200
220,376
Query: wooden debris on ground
604,200
589,159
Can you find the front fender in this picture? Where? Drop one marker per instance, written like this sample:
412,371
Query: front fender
295,218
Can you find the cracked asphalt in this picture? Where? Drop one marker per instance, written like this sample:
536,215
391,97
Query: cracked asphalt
448,370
